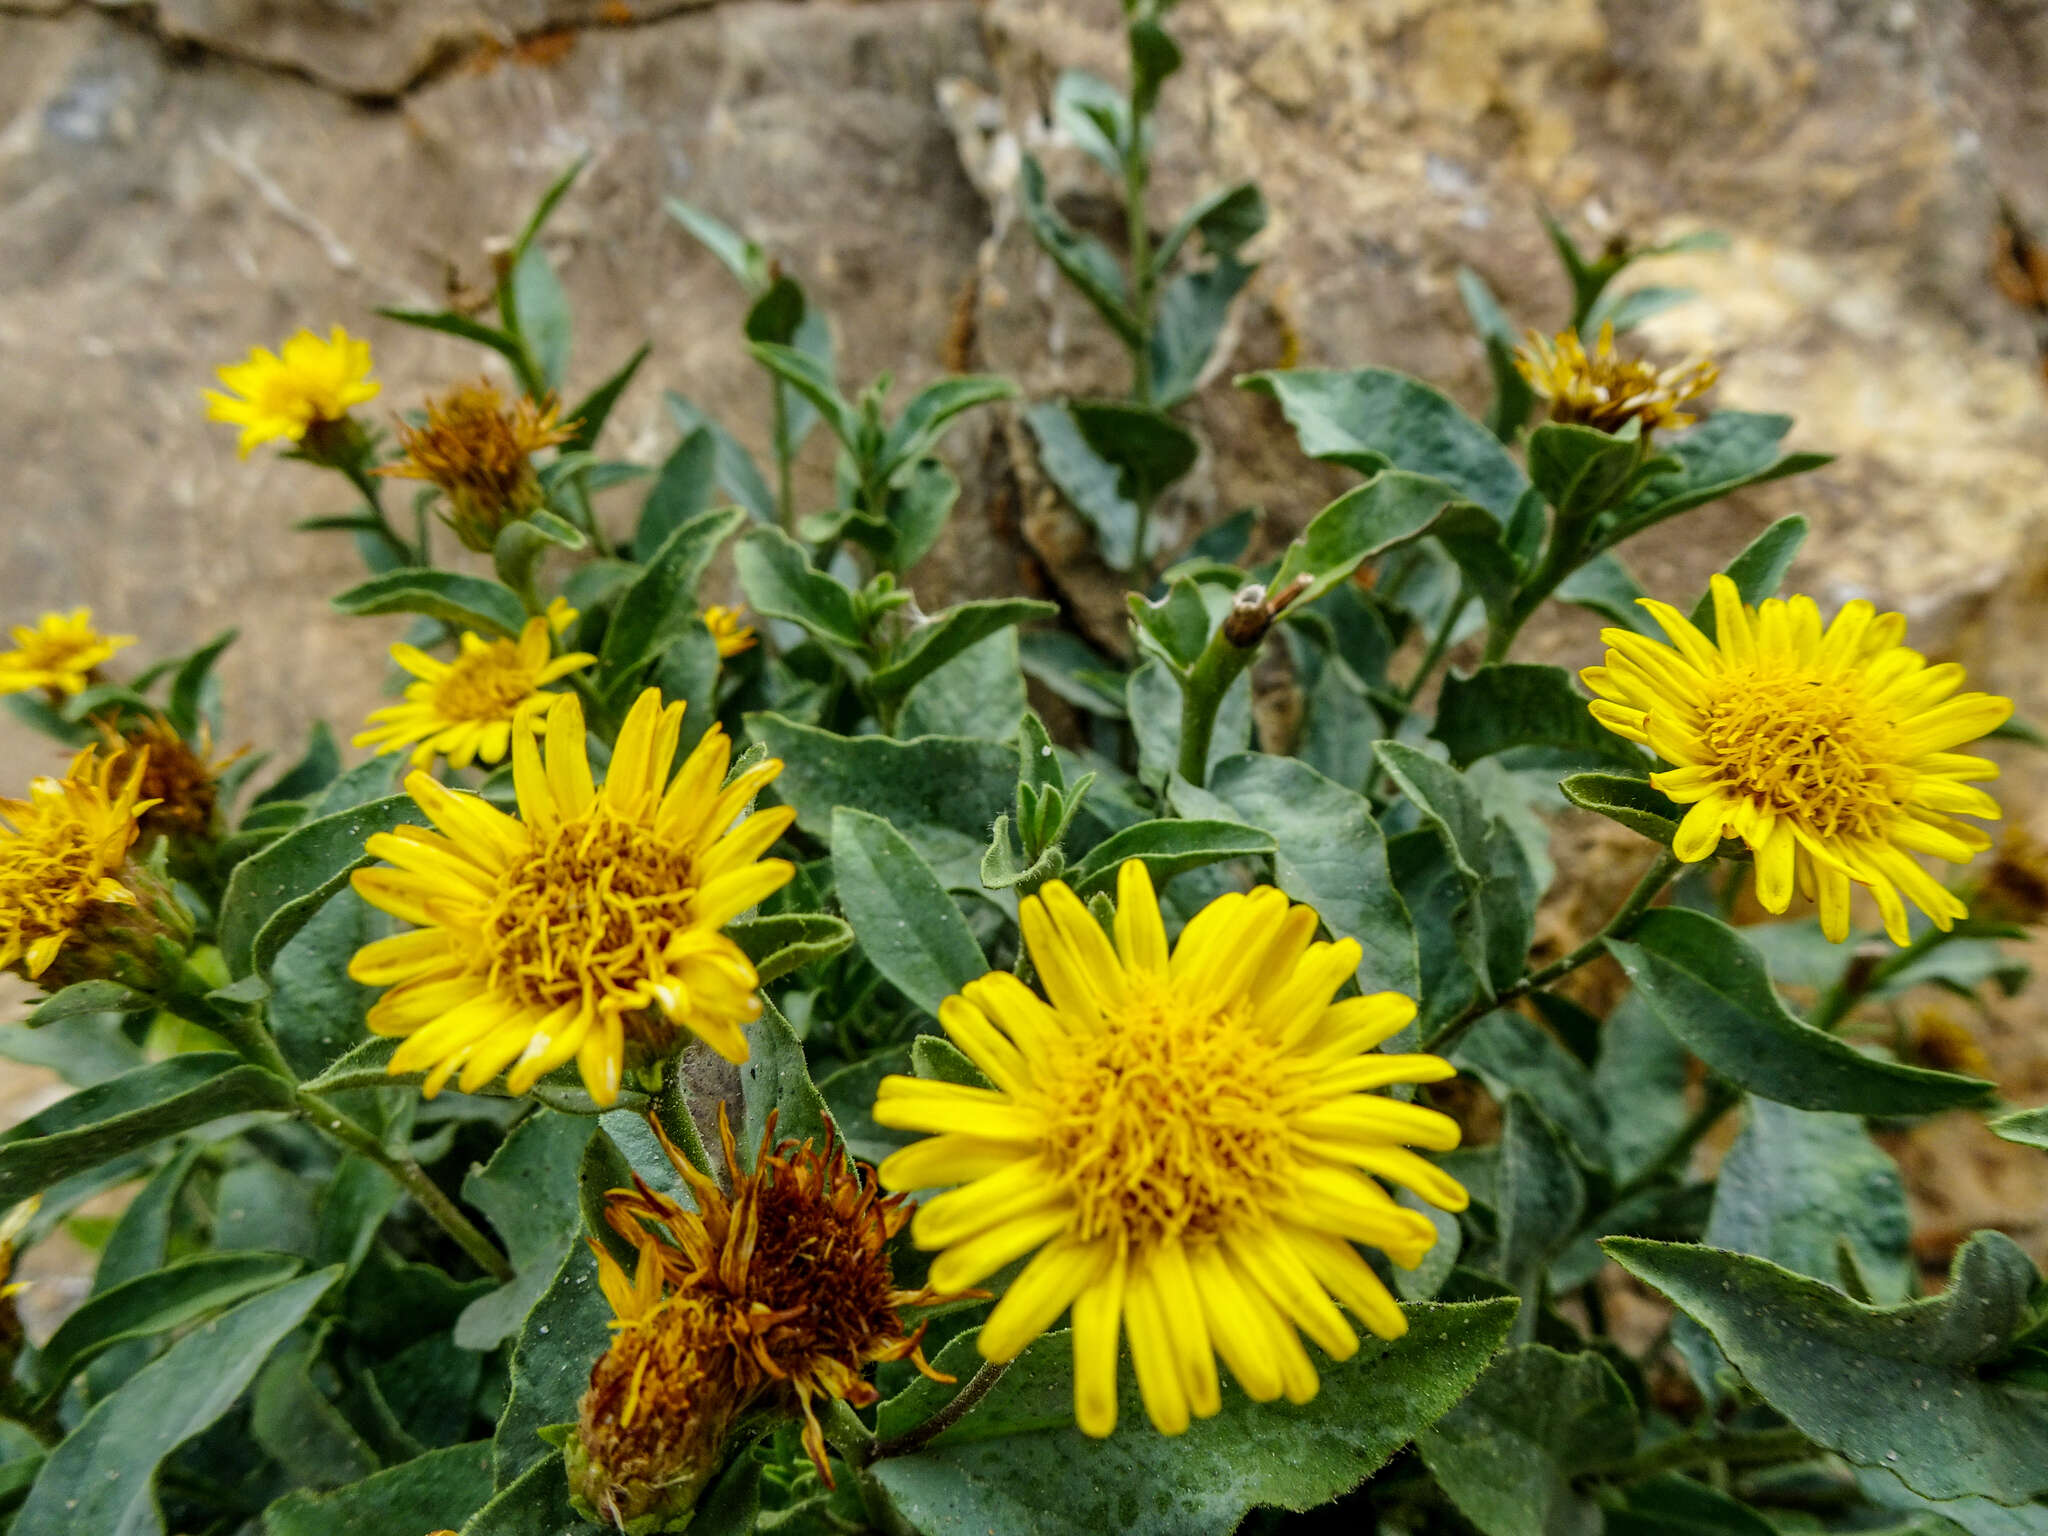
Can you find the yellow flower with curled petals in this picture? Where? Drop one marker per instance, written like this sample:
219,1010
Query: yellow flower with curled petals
729,629
467,709
1187,1142
1829,750
58,652
60,851
589,927
279,396
1606,390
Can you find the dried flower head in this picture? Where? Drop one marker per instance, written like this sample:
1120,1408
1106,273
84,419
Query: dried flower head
2015,887
1606,390
180,778
781,1289
281,396
1829,750
59,653
729,627
467,709
479,454
1187,1142
60,853
589,928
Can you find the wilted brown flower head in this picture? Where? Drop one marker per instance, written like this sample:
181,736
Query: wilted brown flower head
782,1289
480,455
178,776
2015,888
1605,390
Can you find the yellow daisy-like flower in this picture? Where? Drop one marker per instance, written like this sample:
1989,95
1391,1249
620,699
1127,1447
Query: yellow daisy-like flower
58,652
1829,751
729,628
60,850
467,709
1187,1140
1606,390
587,928
278,396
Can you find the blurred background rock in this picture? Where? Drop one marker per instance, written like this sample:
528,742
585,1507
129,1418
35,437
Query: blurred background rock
184,179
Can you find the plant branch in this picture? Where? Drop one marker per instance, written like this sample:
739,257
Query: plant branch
1716,1100
1439,643
1744,1448
956,1408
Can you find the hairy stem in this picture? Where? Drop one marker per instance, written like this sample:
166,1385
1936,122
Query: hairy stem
1743,1448
1201,696
956,1408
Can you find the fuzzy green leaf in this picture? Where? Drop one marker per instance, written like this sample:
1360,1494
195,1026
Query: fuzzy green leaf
1519,704
1166,848
906,923
466,602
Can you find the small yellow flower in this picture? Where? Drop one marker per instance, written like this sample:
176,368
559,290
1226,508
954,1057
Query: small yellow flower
1829,751
560,616
1187,1141
480,456
1606,390
59,653
729,628
60,851
283,393
467,709
11,1227
589,928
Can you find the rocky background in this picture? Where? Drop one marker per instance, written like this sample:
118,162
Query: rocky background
182,179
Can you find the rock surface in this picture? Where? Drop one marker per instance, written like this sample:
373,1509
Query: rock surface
183,180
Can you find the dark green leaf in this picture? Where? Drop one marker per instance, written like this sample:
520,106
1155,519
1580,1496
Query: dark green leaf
315,1009
1175,626
980,692
662,603
1722,455
1508,1052
1189,317
944,636
1153,700
1540,1197
777,313
811,378
1974,1516
1227,220
1677,1506
590,416
737,473
907,925
537,1504
86,997
1636,803
1581,471
781,583
193,686
740,256
1073,671
467,602
1372,418
1512,396
296,1425
2028,1127
275,893
1641,1076
1084,259
314,771
1711,990
1759,569
100,1478
450,323
442,1488
568,1328
1089,482
1606,587
1363,524
1865,1381
1520,704
937,1058
917,511
1166,848
775,1080
924,420
788,942
1017,1463
543,311
1536,1420
1155,57
1096,116
681,491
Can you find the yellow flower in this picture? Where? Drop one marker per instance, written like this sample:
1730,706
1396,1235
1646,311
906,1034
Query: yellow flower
1188,1143
58,653
785,1285
283,393
559,615
729,628
468,708
480,456
1607,390
1830,752
60,850
589,928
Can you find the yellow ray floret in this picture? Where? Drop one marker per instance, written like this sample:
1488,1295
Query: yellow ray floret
1187,1144
60,851
589,927
1829,750
729,628
278,396
467,709
58,652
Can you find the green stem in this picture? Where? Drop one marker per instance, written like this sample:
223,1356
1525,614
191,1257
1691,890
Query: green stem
1138,235
1717,1099
1439,643
372,493
1858,981
325,1117
1743,1448
1655,878
956,1408
785,507
1201,695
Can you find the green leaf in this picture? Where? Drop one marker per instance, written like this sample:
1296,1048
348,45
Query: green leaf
1758,570
562,1337
194,689
937,1058
1155,57
775,1080
313,772
1148,447
781,583
537,1504
1096,116
937,641
738,475
1507,1052
1641,1076
100,1478
1188,318
1710,989
1091,484
1074,672
1018,1464
1362,524
1723,454
543,311
315,1009
1864,1381
1519,704
1166,848
448,322
941,793
917,510
740,256
295,1424
467,602
1536,1420
1581,471
1676,1506
1085,260
1371,418
980,692
681,491
1330,856
812,378
789,941
86,997
440,1489
1975,1516
154,1303
1478,546
545,208
1175,626
1636,803
127,1113
275,893
1626,311
1605,586
662,604
1153,701
1512,397
2028,1127
1227,221
777,313
1540,1195
906,923
596,407
924,420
